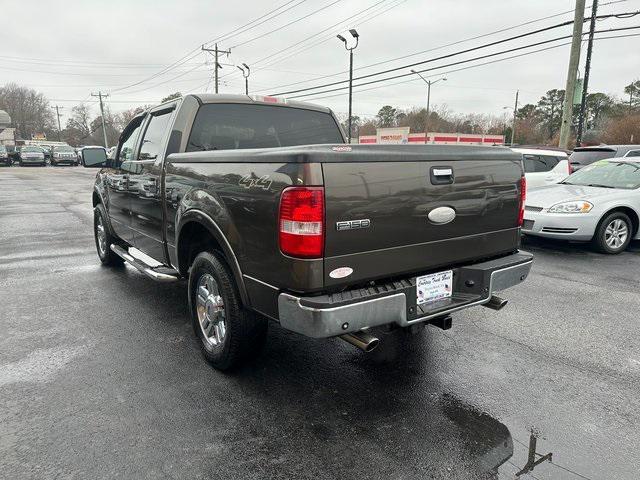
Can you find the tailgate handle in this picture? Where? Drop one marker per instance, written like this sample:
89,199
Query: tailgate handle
441,175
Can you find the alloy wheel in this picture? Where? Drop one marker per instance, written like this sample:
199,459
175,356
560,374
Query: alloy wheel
210,310
616,233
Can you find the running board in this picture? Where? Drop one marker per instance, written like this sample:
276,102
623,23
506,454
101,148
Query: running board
168,275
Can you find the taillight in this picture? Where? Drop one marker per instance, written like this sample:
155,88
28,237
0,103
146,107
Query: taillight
301,222
523,197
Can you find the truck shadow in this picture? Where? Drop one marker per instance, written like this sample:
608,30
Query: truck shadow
325,408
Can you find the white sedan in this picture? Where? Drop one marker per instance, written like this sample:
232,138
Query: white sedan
599,203
544,167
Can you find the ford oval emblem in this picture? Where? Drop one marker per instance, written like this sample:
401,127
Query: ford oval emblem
442,215
341,272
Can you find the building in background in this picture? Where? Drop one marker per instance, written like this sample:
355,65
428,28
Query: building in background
402,135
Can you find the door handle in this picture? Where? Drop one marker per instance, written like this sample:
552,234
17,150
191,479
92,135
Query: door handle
441,175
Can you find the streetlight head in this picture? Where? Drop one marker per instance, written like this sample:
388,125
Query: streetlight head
340,37
444,78
413,71
245,66
353,32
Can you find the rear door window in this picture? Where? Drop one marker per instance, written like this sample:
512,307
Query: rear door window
539,163
239,126
633,153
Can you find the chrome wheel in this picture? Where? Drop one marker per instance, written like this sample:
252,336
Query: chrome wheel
616,233
210,310
101,235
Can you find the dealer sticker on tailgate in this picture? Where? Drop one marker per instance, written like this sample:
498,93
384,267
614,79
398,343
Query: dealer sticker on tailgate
435,286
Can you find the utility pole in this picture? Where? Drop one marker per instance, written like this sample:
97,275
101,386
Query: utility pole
515,116
59,129
429,83
104,129
355,35
246,71
574,60
217,65
587,68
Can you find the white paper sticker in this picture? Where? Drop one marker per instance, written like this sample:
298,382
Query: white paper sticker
435,286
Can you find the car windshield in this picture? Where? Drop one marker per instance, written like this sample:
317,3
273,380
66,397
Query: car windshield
31,149
587,157
607,174
64,148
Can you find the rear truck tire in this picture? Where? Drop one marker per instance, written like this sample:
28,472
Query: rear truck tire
227,332
613,233
104,238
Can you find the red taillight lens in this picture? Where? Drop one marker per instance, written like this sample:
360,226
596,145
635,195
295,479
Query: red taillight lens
301,222
523,197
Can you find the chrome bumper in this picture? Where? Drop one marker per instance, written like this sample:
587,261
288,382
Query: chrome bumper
392,309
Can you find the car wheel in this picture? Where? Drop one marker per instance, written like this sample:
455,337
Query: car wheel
104,238
613,233
227,332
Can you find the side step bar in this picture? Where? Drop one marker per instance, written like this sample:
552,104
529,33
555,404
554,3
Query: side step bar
153,273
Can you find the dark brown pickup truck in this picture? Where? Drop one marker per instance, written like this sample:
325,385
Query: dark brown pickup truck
260,204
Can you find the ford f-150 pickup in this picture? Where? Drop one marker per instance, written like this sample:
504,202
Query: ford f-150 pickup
269,215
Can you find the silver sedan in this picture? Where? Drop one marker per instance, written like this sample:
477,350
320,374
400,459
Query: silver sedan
599,203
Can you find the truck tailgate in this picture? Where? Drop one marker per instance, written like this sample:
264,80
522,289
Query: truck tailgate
378,211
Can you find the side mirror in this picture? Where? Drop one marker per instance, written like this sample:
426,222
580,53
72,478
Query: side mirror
94,158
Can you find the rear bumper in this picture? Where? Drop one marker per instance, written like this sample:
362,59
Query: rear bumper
395,302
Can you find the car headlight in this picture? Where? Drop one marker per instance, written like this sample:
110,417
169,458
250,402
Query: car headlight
581,206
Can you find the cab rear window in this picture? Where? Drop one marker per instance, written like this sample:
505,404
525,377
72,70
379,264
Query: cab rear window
240,126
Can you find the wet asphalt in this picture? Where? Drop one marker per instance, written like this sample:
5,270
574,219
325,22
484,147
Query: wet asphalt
100,376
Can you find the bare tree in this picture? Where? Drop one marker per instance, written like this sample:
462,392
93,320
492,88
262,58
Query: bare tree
29,110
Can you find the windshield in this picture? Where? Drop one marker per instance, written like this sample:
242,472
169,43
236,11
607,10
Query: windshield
607,174
587,157
64,148
31,149
231,126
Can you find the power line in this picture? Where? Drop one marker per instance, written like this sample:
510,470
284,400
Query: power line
453,54
190,55
356,23
442,46
287,24
469,67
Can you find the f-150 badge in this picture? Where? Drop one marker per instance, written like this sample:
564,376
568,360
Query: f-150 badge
353,224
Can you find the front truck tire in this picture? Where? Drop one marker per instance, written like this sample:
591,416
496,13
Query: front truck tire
104,238
227,332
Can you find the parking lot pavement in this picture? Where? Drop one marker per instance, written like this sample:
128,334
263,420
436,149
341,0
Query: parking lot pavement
100,376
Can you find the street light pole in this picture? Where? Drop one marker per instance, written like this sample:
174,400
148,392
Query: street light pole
355,35
246,71
429,83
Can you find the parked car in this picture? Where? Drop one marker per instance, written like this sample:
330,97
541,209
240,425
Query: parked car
5,159
583,156
599,203
32,155
253,199
544,167
63,154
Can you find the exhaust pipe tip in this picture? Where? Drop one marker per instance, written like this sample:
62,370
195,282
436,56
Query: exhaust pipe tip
362,340
496,303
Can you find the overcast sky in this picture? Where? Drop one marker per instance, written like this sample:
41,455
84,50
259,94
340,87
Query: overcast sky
68,49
